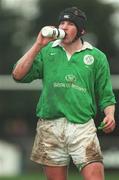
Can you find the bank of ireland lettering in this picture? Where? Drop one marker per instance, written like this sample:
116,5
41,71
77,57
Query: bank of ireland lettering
70,83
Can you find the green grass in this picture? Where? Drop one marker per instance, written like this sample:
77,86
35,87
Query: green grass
73,176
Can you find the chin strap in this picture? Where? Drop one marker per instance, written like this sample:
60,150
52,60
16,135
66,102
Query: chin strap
76,38
79,35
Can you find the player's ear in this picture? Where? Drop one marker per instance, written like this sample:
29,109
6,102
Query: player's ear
82,32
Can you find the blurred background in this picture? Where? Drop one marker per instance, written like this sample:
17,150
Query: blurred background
20,22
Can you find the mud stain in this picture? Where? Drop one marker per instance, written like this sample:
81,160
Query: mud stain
45,144
93,152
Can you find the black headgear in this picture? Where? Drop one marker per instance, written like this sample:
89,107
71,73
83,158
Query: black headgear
76,16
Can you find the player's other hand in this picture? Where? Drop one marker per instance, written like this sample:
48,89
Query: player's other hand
109,122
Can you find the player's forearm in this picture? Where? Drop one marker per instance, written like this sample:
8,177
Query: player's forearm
109,110
25,63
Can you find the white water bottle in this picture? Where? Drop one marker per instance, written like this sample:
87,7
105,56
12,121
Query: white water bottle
48,31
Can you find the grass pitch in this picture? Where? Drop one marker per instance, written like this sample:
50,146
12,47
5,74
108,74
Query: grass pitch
72,176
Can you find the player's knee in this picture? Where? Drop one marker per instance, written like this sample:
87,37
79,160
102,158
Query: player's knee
55,173
93,171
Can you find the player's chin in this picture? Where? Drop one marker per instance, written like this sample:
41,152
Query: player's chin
65,40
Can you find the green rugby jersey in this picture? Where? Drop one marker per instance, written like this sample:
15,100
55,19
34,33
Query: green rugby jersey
71,87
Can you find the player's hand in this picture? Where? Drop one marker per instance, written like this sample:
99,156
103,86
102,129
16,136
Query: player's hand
42,41
109,123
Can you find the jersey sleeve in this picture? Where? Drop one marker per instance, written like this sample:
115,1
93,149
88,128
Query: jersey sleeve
103,86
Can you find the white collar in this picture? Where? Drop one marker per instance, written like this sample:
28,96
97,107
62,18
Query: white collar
86,45
57,43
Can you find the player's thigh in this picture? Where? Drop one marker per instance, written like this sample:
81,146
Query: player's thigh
93,171
56,172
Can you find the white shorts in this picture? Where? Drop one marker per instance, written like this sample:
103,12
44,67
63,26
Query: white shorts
59,140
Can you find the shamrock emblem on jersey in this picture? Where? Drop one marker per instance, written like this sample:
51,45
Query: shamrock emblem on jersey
88,59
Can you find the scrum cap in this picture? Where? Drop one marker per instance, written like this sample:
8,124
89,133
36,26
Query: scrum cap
76,16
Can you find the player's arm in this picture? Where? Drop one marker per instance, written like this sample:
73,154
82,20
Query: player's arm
109,119
25,62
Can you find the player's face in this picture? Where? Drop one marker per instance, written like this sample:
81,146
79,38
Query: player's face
70,30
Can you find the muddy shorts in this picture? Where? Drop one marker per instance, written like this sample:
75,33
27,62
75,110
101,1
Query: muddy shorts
59,140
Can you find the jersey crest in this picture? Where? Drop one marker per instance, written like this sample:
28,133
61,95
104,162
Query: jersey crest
88,59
